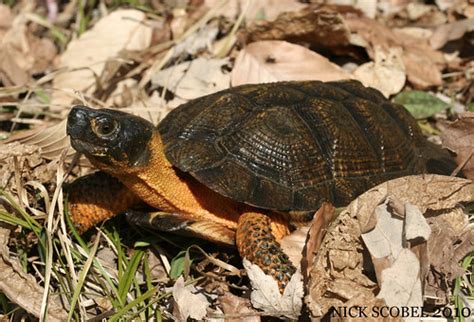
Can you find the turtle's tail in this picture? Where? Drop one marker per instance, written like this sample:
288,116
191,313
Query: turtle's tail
438,160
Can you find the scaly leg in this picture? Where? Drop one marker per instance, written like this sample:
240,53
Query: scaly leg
97,197
257,240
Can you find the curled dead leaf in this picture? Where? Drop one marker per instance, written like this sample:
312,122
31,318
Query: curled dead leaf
271,61
318,228
340,270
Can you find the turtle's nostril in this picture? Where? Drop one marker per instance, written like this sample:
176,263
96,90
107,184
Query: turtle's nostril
77,121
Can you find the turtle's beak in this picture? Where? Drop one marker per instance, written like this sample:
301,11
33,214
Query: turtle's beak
78,122
79,129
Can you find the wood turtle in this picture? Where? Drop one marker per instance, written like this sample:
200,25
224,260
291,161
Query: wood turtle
240,165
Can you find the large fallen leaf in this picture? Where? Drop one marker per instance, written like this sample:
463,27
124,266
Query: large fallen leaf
386,65
420,104
459,137
22,288
85,57
266,294
271,61
194,78
341,273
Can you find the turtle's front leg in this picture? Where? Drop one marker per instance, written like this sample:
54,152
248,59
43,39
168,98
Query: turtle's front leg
257,240
97,197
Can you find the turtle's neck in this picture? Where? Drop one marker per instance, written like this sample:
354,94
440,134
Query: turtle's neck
164,187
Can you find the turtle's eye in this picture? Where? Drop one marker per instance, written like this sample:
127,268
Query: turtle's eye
104,126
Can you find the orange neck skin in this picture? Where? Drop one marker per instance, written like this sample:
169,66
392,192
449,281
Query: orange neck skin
163,187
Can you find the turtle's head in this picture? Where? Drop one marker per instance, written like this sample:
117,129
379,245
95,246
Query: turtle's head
109,138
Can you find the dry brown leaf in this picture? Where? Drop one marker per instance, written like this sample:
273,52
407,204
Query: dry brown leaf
266,295
318,227
386,65
339,269
323,28
86,56
423,64
21,288
256,9
271,61
459,137
189,303
450,31
194,78
23,54
238,307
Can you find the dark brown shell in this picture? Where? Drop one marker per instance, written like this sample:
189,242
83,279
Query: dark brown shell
288,146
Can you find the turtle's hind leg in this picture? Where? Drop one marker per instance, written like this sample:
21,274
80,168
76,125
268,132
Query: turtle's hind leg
183,224
257,240
97,197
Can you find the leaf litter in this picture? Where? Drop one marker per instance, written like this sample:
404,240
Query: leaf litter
159,61
398,222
